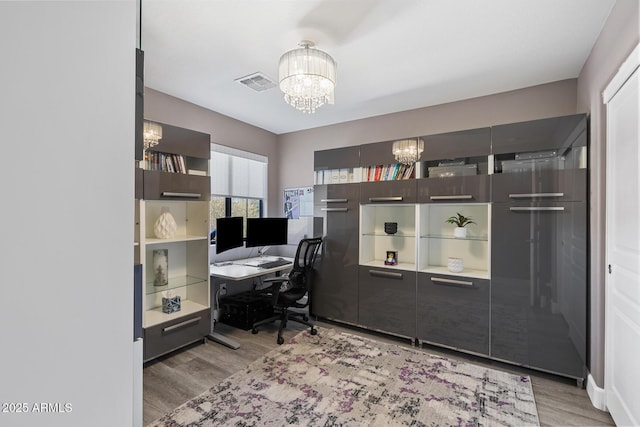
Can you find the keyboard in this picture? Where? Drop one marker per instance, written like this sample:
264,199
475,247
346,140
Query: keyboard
273,264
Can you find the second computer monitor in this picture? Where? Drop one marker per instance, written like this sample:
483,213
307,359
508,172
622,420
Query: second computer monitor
266,231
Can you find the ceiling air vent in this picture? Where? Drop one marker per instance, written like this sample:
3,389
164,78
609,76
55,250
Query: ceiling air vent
257,82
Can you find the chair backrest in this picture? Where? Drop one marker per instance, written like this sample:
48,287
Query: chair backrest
303,261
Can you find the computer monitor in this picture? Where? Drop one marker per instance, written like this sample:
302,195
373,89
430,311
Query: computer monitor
266,231
228,233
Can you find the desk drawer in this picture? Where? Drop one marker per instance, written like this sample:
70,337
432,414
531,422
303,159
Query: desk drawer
169,336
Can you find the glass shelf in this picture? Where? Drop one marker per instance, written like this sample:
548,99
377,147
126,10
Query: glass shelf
450,237
383,234
174,283
177,238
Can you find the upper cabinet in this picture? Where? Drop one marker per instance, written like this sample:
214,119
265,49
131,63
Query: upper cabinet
337,166
384,179
540,160
178,167
455,167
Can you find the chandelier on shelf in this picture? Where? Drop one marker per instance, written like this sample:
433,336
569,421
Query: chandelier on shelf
151,134
408,151
307,77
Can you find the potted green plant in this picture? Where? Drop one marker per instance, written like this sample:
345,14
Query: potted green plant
460,221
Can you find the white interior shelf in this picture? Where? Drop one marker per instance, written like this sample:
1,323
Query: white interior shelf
437,242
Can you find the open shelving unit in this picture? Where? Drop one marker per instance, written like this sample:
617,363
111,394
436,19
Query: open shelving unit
437,241
374,242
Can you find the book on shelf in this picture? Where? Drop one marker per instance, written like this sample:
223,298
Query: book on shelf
157,161
197,172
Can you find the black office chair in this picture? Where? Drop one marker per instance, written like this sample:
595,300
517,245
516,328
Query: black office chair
287,290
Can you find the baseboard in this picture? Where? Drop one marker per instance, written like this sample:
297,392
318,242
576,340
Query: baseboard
596,394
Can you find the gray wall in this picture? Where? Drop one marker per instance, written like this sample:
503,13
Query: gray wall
619,36
66,241
224,130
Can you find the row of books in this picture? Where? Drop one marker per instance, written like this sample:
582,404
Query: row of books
388,172
156,161
337,176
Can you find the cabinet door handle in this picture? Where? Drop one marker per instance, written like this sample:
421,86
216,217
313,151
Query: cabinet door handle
386,199
538,209
334,209
174,194
439,280
452,197
334,200
182,324
532,195
386,274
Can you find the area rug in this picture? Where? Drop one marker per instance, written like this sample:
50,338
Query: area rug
341,379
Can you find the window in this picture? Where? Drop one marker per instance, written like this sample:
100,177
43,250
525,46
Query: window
238,183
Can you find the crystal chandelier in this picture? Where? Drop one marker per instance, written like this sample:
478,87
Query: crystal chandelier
151,134
408,151
307,77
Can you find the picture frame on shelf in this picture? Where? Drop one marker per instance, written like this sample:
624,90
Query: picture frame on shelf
392,258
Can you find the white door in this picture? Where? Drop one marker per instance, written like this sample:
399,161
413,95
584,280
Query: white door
622,294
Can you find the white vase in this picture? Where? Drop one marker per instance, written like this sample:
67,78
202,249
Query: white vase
165,226
455,265
460,232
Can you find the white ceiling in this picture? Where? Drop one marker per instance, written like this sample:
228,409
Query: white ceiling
392,55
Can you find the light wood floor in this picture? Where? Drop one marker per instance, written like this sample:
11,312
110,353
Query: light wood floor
176,378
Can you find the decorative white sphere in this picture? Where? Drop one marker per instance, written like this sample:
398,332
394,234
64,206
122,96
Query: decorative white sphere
165,226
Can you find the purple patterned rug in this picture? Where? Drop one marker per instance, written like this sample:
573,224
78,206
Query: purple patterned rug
340,379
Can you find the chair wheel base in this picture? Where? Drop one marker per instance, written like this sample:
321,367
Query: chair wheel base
254,331
280,340
314,331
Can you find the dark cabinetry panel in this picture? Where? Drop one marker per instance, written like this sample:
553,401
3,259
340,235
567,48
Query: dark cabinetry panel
139,109
461,144
537,135
337,158
335,291
403,191
169,336
454,189
387,300
454,311
177,140
160,185
540,185
538,287
377,153
139,183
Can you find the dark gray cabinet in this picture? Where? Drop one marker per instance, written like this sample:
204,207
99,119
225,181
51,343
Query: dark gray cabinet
455,189
388,192
540,185
387,300
455,167
454,311
335,291
159,185
337,158
556,133
195,149
539,245
171,335
538,286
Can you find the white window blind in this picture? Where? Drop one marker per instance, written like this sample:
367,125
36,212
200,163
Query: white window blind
237,173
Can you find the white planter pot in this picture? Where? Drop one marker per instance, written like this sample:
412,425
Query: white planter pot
455,265
460,232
